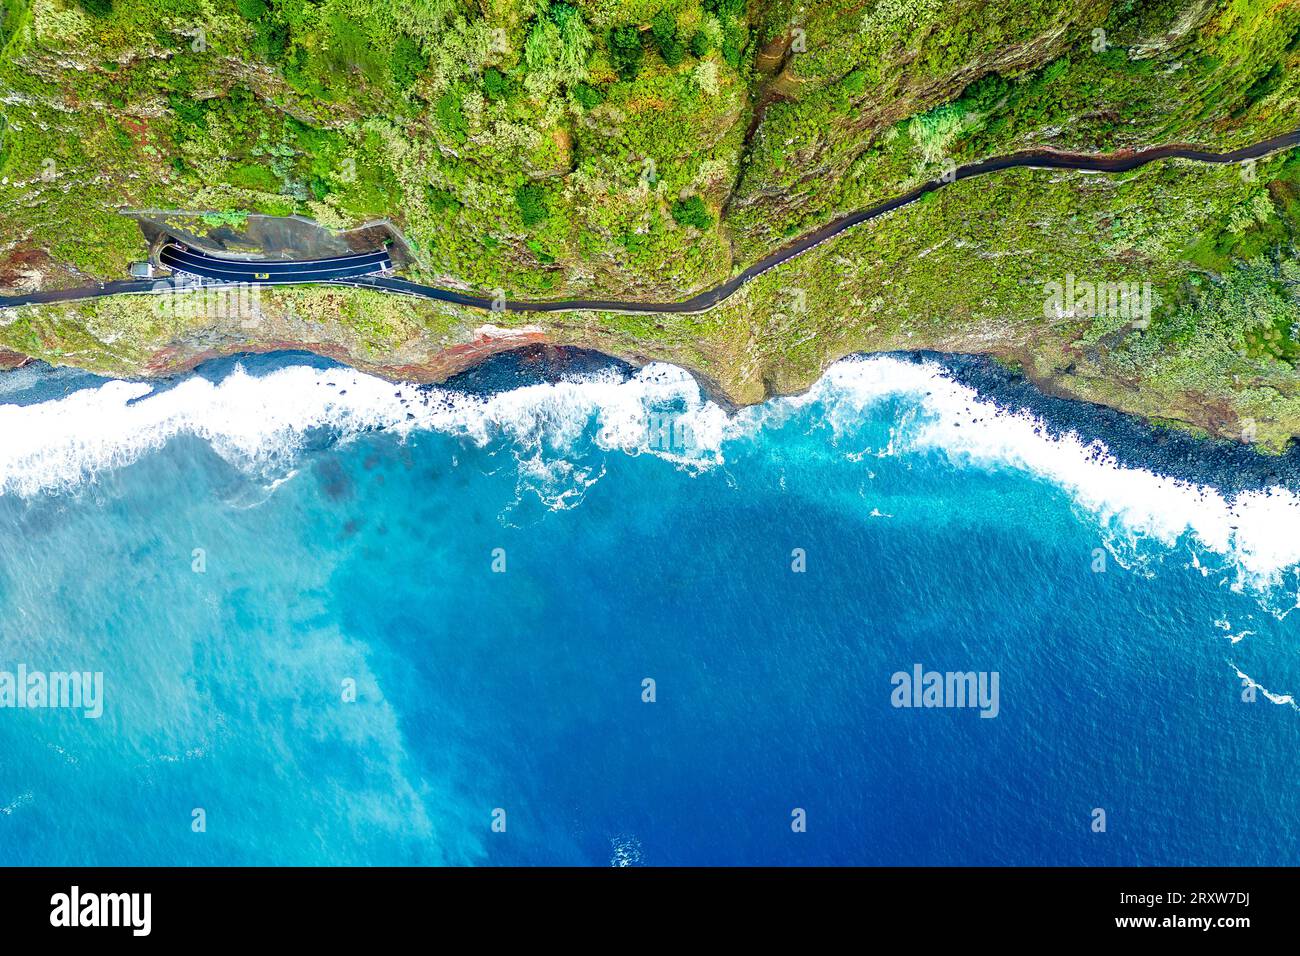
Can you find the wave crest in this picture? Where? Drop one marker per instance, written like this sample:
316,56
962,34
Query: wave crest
560,432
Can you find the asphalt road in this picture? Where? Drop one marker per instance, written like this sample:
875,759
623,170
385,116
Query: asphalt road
360,270
193,262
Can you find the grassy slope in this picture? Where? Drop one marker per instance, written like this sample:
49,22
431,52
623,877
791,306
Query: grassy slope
520,148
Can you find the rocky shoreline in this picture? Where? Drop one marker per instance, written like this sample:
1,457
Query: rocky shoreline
1229,466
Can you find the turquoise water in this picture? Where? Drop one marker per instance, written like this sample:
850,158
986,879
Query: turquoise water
236,550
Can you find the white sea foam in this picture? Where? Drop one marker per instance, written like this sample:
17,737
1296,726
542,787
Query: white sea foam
259,422
559,433
252,421
627,851
20,801
1259,530
1249,681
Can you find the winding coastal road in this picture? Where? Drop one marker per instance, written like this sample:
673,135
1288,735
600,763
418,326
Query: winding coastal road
363,270
192,262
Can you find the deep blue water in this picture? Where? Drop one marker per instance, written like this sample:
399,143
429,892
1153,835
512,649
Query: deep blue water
344,540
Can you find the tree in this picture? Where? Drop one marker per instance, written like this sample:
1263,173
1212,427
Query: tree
588,96
725,9
578,42
495,84
663,29
531,200
451,116
692,212
557,46
408,62
625,51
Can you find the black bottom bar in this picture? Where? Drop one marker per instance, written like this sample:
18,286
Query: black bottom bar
209,906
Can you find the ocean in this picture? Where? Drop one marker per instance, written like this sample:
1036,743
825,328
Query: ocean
587,617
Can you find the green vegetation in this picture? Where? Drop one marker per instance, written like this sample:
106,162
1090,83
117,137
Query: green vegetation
692,212
651,148
663,28
625,51
532,204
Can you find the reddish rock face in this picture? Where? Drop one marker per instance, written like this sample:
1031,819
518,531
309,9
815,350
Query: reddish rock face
11,360
23,269
437,368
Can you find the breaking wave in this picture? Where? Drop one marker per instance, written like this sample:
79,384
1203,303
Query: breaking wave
560,435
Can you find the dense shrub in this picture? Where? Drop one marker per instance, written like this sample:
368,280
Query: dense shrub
531,200
588,96
663,30
495,84
408,62
692,212
625,51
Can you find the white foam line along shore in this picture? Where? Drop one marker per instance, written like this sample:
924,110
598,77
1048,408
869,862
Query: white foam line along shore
259,421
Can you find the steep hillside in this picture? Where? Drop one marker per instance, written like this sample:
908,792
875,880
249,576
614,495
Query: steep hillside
650,148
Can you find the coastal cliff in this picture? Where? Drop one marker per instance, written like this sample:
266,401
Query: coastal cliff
647,150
